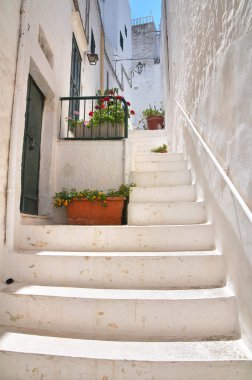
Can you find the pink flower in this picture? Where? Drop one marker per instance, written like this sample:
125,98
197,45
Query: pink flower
91,114
76,112
132,112
103,106
97,107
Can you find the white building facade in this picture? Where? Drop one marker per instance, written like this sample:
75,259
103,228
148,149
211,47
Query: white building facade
146,49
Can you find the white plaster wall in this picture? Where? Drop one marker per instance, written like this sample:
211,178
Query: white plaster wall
209,66
88,165
9,15
210,63
120,13
147,86
57,19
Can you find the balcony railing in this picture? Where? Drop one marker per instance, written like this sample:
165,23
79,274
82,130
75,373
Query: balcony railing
93,118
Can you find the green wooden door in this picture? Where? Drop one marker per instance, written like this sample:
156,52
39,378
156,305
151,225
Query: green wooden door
31,149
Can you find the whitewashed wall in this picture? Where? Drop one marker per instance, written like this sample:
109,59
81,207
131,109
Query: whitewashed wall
57,20
210,63
88,165
116,16
10,16
147,86
208,66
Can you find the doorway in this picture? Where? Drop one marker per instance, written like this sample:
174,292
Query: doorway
31,149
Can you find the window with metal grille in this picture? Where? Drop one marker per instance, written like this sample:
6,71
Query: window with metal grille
121,40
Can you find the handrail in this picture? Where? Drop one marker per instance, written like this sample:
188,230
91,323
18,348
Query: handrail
230,184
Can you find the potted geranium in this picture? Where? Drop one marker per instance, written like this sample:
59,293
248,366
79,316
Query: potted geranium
93,207
154,117
109,114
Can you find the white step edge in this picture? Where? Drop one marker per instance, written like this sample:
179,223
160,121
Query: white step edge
122,270
122,314
65,359
155,157
186,193
149,213
137,351
160,165
162,178
116,238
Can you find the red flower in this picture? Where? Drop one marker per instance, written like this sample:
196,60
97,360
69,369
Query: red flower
119,97
97,107
128,103
103,106
91,114
102,100
132,112
106,99
111,92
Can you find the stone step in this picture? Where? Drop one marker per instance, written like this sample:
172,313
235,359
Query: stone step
162,178
185,193
160,165
121,270
24,356
149,134
121,314
158,157
115,238
166,213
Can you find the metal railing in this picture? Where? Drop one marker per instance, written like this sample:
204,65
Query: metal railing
230,184
142,20
93,118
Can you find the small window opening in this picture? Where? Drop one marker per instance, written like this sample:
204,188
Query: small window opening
92,47
121,40
125,31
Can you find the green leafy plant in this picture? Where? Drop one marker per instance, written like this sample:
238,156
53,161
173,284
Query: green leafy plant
65,196
148,112
109,109
160,149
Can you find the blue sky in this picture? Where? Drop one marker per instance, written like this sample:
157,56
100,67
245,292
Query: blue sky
142,8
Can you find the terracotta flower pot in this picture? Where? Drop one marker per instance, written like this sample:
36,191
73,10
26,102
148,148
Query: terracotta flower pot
155,122
85,212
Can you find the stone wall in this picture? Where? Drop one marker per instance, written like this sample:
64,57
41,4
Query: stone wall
210,74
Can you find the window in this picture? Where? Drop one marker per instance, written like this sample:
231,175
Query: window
121,40
125,31
107,80
92,46
75,77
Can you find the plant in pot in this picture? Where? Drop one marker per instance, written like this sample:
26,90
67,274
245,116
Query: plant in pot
93,207
154,117
160,149
108,117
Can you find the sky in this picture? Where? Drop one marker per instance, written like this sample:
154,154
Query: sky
142,8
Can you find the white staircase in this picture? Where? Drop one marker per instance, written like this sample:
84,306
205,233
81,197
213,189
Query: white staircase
144,301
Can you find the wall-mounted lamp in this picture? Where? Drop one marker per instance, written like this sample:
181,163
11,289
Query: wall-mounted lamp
92,57
139,69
